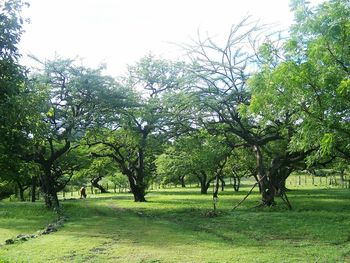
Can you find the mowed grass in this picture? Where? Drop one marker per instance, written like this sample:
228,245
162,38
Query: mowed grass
173,226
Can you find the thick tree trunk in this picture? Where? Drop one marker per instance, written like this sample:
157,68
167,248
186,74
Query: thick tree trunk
49,191
267,190
138,189
182,181
21,190
33,189
202,179
204,187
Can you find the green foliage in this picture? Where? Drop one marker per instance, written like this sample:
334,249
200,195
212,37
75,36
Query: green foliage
310,83
198,156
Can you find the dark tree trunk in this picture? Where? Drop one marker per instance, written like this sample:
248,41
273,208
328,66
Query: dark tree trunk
48,189
216,187
94,182
267,190
204,187
223,184
182,181
33,189
20,189
215,192
236,183
138,189
21,193
202,179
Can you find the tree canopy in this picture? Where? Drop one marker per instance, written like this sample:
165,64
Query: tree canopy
251,106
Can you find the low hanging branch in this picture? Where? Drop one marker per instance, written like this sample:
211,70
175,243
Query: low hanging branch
251,190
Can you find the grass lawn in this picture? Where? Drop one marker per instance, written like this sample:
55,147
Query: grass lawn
173,227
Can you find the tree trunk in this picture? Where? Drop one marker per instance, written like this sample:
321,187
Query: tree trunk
204,187
341,177
202,178
94,182
267,190
48,189
20,191
33,189
216,187
182,181
138,190
236,183
223,184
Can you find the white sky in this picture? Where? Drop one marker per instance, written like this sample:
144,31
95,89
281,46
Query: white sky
120,32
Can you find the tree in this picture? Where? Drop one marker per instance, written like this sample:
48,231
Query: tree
73,96
15,112
95,172
134,136
221,96
307,80
199,155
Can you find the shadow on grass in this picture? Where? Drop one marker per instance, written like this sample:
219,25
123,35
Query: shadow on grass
176,218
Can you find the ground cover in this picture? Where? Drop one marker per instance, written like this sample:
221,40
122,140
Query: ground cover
175,226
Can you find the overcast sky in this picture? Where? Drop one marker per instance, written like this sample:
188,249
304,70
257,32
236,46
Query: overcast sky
119,32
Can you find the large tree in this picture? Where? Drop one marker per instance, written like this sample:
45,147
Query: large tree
307,79
221,95
16,114
133,136
73,99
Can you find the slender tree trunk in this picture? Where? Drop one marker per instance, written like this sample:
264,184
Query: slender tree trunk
341,178
216,187
223,184
236,183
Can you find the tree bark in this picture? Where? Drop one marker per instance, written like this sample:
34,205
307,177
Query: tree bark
33,189
48,189
267,190
223,184
20,190
202,178
137,189
182,181
236,183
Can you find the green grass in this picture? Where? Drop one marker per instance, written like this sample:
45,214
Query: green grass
173,227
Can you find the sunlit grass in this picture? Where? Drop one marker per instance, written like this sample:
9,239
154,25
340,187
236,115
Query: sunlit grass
173,227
